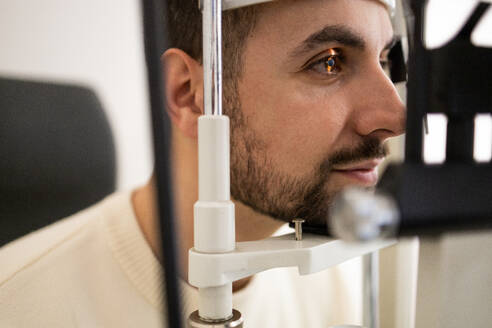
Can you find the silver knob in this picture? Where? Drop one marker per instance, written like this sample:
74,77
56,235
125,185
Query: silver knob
236,321
298,228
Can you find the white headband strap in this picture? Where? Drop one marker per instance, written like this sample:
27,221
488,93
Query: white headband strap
233,4
390,5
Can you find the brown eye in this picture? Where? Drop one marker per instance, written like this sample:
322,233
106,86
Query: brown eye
328,65
331,64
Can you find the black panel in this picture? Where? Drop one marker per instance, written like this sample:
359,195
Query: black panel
57,154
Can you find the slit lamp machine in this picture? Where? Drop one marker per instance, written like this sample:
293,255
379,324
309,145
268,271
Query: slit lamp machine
412,198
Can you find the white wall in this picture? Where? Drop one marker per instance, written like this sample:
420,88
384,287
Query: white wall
93,42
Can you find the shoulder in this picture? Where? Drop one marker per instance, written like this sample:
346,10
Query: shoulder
33,248
68,273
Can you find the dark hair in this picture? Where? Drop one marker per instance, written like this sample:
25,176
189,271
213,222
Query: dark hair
185,30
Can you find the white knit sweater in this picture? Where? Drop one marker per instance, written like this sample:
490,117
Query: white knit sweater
95,269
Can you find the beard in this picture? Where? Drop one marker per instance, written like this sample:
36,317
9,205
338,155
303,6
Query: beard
257,183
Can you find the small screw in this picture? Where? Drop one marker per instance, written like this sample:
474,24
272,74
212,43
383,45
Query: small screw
298,227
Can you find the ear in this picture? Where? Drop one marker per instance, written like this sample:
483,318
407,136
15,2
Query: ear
184,90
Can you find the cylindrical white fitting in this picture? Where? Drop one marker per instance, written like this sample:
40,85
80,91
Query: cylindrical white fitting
213,154
214,226
214,230
216,302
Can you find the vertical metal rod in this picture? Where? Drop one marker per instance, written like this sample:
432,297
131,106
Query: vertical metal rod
460,139
215,303
155,41
370,298
418,85
212,56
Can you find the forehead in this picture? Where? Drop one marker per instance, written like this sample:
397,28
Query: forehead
288,22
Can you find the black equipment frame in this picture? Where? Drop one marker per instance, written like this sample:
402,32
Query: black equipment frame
155,39
456,195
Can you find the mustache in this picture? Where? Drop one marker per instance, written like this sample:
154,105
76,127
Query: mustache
369,148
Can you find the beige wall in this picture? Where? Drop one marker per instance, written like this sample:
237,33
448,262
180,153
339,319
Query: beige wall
455,281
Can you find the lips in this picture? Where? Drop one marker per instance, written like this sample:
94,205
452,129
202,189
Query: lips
365,165
364,173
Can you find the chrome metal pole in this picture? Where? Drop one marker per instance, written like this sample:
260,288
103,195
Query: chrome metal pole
370,298
212,56
214,230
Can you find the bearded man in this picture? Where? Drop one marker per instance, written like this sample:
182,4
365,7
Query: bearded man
310,107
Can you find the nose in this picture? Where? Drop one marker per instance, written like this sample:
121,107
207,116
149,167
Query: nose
378,111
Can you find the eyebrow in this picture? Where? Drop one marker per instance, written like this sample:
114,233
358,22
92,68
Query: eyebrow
330,33
334,33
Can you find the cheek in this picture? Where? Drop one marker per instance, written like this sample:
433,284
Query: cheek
298,124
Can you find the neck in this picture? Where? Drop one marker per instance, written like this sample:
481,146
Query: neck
249,224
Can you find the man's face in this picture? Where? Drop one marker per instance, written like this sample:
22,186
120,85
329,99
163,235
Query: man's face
312,106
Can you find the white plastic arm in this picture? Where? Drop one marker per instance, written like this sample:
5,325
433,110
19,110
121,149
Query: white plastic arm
313,254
